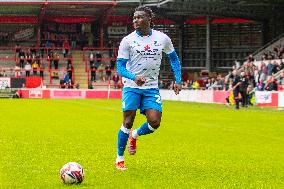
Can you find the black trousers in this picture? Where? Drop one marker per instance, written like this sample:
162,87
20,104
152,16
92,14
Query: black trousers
236,97
55,62
244,98
93,76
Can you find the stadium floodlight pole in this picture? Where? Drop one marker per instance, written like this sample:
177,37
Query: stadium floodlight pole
208,43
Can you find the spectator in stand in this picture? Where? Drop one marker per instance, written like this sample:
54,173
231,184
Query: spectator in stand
90,39
91,58
275,68
17,71
281,52
115,79
73,41
248,69
110,50
171,86
112,63
35,67
91,85
99,59
29,56
42,46
184,76
250,94
250,58
208,83
189,82
281,65
263,57
161,84
50,58
101,73
260,86
195,85
93,72
263,72
256,76
244,82
269,68
220,82
184,85
28,69
2,73
41,70
17,49
67,80
108,72
48,45
276,52
33,51
77,86
65,47
236,87
281,79
237,64
22,57
271,84
55,60
70,70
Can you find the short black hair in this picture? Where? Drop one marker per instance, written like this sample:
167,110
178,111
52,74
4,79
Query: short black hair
148,11
145,9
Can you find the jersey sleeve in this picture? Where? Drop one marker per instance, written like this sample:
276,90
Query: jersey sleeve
168,48
124,49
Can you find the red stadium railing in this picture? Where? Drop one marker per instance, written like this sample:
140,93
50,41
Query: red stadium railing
44,57
103,82
112,54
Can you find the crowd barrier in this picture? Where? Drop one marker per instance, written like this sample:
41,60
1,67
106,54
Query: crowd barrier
263,98
69,93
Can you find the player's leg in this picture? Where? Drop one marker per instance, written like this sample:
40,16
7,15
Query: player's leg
243,96
123,135
153,122
151,106
236,98
130,103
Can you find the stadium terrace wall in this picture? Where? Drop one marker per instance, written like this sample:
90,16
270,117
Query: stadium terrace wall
263,98
68,93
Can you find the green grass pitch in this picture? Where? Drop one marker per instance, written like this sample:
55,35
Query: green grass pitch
197,146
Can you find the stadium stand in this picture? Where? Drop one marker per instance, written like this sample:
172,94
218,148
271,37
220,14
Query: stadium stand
203,43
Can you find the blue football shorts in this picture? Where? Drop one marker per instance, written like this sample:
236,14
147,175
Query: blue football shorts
143,99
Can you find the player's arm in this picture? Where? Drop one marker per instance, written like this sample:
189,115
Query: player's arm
238,83
121,70
176,67
122,58
234,87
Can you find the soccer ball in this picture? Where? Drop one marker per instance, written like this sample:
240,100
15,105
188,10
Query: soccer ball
72,173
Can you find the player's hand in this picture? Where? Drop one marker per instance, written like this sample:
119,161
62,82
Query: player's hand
177,88
139,80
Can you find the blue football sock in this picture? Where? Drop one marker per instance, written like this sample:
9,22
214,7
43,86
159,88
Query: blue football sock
145,129
123,135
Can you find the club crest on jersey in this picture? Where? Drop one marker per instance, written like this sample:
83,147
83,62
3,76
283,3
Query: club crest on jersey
147,48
